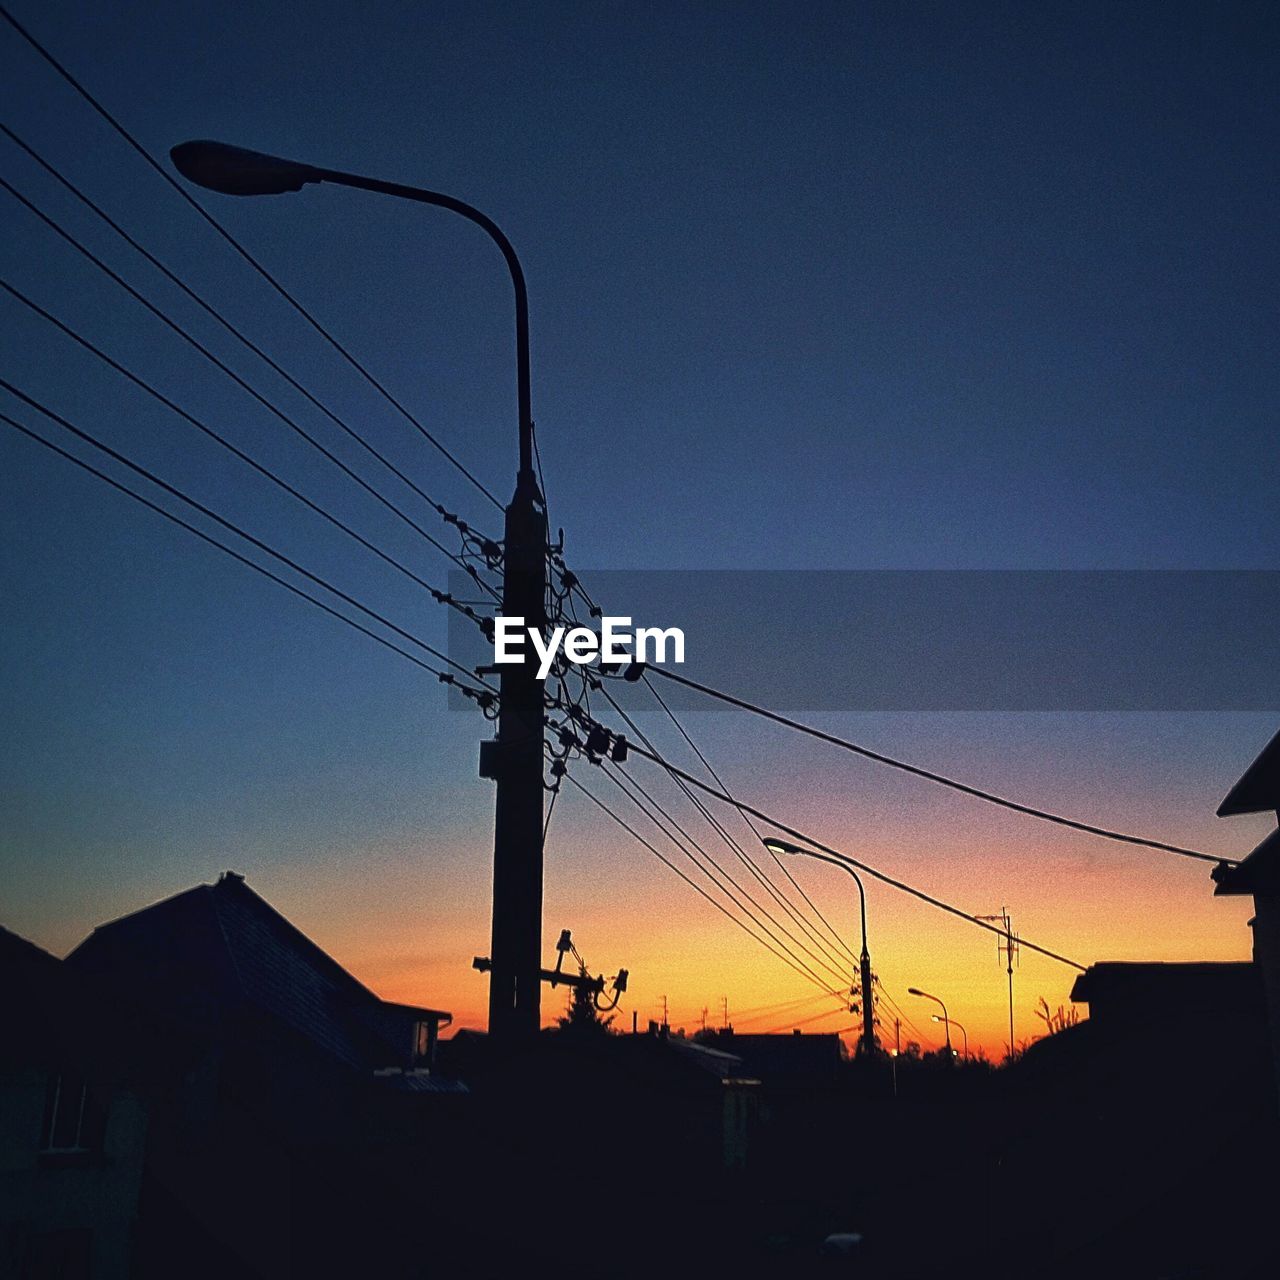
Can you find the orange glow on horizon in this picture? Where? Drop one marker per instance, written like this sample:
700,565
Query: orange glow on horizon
1091,906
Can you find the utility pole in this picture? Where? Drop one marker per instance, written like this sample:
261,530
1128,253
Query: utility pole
1008,948
515,991
665,1023
867,1044
724,1009
704,1018
514,758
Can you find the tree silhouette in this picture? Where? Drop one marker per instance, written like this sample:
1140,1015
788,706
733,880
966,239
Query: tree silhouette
1056,1021
581,1014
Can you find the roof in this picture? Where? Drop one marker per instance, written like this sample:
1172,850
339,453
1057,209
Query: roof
557,1060
784,1056
221,948
1259,787
56,1016
419,1082
1121,979
1258,873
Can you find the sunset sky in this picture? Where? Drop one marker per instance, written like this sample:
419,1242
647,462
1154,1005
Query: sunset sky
837,286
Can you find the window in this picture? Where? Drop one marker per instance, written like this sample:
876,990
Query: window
424,1043
74,1115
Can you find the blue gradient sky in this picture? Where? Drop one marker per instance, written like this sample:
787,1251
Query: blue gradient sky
836,286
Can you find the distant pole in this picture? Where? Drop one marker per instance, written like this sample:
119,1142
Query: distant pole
724,1008
897,1049
867,1040
1008,947
634,1022
952,1022
946,1021
665,1023
704,1018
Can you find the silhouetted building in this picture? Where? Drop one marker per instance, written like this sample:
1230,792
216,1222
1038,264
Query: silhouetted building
220,957
1258,791
80,1072
786,1060
245,1106
1163,1000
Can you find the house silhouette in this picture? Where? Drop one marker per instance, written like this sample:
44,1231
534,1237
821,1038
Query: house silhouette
240,1104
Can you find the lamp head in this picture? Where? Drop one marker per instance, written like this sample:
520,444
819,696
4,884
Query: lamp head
781,846
235,171
914,991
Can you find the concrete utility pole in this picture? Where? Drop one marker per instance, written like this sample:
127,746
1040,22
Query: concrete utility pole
514,758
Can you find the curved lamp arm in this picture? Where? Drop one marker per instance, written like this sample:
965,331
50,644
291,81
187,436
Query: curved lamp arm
236,171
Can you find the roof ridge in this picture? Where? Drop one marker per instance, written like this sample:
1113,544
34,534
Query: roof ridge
137,911
277,920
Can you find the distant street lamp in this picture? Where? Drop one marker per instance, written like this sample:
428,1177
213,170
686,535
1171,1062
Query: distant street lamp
867,1041
935,1017
514,760
946,1022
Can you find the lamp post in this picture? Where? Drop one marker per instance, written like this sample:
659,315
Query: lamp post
946,1022
514,759
867,1041
964,1053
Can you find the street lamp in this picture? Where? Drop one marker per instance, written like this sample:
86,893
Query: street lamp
934,1017
514,759
946,1022
867,1041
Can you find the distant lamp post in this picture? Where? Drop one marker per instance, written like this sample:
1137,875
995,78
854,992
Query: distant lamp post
867,1041
946,1022
964,1053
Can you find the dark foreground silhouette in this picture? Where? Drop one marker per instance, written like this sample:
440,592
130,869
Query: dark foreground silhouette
199,1091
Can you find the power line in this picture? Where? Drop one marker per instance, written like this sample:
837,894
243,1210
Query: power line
804,1022
842,954
898,1009
844,857
623,782
929,776
173,491
786,871
241,250
217,315
443,676
756,1012
222,440
742,856
697,888
239,381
